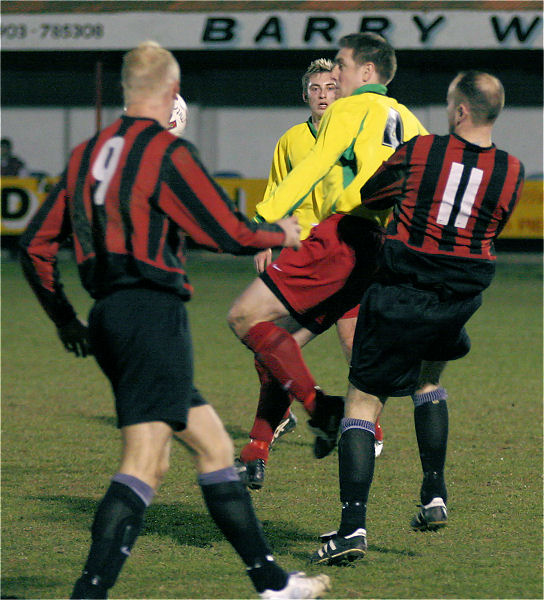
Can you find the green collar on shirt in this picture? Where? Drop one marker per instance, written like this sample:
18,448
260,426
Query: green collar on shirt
376,88
312,127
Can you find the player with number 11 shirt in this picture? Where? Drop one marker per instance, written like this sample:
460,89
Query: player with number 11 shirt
453,200
452,196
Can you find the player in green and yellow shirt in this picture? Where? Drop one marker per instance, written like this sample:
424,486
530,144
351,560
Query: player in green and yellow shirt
319,91
357,134
326,277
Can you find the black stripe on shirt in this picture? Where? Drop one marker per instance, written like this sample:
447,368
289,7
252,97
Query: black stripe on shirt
449,231
426,190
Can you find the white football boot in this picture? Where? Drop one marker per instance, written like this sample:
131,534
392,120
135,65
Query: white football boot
299,585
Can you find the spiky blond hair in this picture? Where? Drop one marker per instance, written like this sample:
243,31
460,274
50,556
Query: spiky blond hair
147,70
320,65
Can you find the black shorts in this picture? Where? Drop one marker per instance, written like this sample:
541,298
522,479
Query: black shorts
398,328
142,342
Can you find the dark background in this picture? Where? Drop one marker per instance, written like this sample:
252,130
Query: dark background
262,78
256,78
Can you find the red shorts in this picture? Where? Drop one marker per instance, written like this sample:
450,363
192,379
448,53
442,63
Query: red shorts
328,275
352,313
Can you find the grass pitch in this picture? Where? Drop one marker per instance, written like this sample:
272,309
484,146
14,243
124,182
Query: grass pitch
60,446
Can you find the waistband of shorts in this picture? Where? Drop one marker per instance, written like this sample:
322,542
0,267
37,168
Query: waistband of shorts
361,221
142,288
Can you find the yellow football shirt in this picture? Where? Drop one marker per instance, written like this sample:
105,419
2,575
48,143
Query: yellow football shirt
291,149
356,134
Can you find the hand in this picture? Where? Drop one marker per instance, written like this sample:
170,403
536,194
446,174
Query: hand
75,337
262,260
292,231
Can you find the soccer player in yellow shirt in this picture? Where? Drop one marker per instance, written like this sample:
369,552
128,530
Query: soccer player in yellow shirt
302,293
319,90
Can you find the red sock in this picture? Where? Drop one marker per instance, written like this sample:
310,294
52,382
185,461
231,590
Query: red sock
254,450
278,351
379,432
273,403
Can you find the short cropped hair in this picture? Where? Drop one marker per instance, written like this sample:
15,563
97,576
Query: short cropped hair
484,93
147,70
320,65
371,47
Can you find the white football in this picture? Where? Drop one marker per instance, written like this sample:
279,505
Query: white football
178,120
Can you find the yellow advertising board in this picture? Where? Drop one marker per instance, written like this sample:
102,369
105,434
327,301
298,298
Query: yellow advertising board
246,193
526,220
21,198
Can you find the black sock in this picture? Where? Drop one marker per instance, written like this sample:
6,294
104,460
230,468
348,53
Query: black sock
230,506
431,423
356,471
116,526
268,576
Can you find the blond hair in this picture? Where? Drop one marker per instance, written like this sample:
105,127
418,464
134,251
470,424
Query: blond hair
147,71
320,65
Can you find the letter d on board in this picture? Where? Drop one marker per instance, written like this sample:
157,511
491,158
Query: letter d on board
15,203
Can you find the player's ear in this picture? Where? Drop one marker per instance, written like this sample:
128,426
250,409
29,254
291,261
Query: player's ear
367,69
463,111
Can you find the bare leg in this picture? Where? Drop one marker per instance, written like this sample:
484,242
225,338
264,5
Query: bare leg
120,515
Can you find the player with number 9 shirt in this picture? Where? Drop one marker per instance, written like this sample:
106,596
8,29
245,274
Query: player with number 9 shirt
126,199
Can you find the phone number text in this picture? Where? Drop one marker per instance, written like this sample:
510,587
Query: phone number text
86,31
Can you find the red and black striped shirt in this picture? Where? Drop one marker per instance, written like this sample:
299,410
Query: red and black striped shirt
451,198
127,198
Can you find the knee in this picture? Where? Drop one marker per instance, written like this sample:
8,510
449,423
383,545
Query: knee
360,405
222,450
162,468
155,470
216,455
346,330
237,320
429,376
347,348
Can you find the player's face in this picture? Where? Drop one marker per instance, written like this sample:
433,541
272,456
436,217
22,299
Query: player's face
321,93
348,72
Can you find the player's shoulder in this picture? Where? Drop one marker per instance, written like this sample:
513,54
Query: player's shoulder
368,102
512,161
398,106
345,109
177,142
519,162
344,104
423,142
295,130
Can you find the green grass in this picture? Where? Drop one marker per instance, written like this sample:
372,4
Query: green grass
60,446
